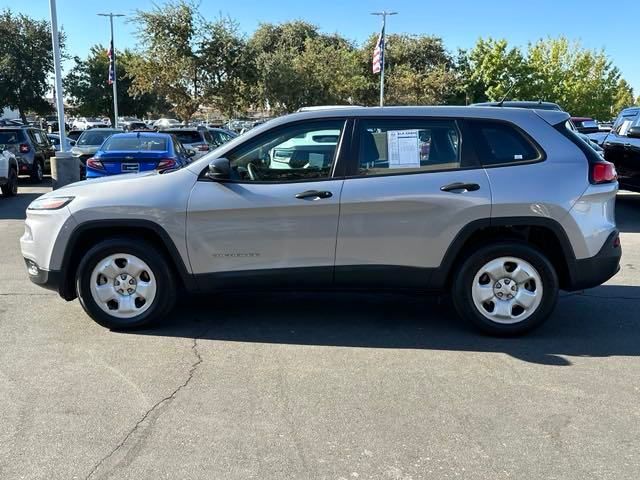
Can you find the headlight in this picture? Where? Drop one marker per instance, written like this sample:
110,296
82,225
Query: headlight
50,203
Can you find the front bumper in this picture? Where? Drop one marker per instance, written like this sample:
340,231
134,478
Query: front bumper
49,279
594,271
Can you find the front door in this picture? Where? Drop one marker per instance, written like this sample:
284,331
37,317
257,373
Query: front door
275,222
413,188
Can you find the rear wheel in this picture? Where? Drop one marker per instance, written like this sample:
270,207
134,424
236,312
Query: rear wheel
506,289
124,284
37,171
10,189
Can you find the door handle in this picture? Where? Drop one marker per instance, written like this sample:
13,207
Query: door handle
313,194
460,187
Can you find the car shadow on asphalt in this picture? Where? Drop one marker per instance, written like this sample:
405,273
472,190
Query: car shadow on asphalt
600,322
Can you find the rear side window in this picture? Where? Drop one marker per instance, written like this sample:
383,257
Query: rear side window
394,146
11,137
187,137
503,144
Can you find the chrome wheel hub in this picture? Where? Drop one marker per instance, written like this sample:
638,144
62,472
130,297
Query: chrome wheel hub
123,285
507,290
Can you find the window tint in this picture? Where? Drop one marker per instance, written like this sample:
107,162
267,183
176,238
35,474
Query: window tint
89,137
135,143
299,152
186,137
10,137
625,121
501,144
400,146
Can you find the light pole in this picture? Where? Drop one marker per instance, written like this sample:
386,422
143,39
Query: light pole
113,62
383,46
59,97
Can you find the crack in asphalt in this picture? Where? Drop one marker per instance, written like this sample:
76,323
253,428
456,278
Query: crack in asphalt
165,400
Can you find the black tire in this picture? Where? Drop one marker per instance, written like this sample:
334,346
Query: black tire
10,189
466,273
37,171
166,286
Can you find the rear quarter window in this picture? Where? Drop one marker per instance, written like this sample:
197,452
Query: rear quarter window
501,144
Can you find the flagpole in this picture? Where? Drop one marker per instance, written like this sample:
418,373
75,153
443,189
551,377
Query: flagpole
115,76
383,14
58,93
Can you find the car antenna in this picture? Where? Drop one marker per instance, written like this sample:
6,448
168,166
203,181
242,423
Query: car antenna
501,102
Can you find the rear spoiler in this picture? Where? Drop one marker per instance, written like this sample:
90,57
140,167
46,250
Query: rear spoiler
553,117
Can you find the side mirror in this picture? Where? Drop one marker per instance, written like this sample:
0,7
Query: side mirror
219,169
634,132
191,152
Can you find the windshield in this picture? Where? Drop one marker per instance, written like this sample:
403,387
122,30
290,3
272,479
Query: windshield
136,143
93,137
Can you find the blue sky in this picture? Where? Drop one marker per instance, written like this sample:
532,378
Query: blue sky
612,26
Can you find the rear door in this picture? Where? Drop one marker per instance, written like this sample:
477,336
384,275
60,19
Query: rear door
413,186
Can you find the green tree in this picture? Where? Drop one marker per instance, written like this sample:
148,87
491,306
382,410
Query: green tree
87,87
418,70
26,61
227,68
171,61
624,97
492,70
295,65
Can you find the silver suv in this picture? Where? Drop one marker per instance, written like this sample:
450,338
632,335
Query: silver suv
501,207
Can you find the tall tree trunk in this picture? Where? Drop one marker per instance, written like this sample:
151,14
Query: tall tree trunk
23,117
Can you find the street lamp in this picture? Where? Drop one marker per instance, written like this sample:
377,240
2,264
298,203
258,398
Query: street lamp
55,40
112,68
382,44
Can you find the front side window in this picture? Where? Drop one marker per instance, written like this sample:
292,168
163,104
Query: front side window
403,146
295,153
502,144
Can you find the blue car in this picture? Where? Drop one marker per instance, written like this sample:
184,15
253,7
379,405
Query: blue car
137,152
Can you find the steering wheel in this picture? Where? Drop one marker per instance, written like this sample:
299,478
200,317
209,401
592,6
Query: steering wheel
251,170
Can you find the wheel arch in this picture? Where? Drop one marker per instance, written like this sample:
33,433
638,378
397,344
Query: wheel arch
543,233
87,234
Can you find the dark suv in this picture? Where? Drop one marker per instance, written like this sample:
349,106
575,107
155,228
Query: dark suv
622,147
31,147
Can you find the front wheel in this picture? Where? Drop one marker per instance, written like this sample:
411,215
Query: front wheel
505,289
124,284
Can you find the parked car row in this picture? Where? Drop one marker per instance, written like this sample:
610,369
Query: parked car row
31,148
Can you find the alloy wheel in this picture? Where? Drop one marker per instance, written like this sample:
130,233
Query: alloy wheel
507,290
123,285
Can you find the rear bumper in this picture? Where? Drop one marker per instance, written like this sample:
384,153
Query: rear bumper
594,271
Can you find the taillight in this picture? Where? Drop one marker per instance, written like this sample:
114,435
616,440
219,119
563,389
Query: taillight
204,147
95,164
24,148
166,163
603,172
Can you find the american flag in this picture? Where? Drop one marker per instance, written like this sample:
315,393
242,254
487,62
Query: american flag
378,53
112,60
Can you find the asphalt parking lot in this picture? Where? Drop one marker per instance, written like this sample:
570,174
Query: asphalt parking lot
318,386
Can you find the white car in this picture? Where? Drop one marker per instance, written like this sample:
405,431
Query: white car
85,123
8,173
54,138
166,123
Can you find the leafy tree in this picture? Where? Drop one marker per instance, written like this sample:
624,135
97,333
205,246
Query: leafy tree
623,97
227,67
170,62
87,87
26,60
